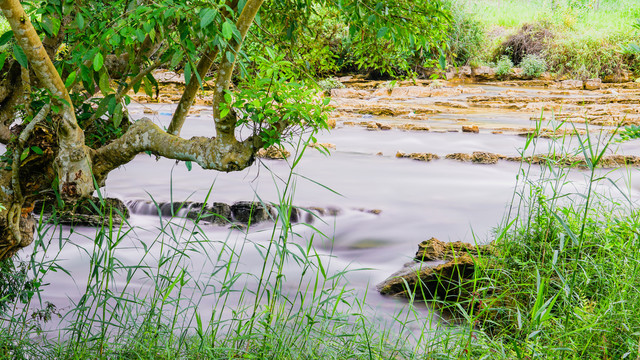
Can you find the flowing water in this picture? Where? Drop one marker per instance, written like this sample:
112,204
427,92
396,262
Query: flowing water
446,199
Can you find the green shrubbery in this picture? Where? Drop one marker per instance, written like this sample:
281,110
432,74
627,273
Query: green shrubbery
504,66
533,65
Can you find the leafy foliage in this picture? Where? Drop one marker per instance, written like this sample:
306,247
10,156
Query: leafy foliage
504,66
271,96
533,65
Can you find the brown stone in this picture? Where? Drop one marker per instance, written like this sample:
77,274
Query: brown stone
350,93
459,157
572,84
470,128
593,84
481,157
273,152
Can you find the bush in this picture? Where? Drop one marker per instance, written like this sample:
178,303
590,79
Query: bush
466,36
504,66
533,65
530,39
330,83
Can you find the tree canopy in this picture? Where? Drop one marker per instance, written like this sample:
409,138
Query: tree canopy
67,67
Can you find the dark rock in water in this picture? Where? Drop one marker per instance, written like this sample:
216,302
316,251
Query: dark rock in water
249,212
449,283
86,211
443,282
218,213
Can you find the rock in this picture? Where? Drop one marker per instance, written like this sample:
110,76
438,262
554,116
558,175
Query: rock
572,84
411,92
446,92
249,212
273,152
146,110
322,146
481,157
459,157
470,129
452,104
450,284
413,127
484,73
434,249
350,93
445,282
385,127
218,213
593,84
418,156
465,71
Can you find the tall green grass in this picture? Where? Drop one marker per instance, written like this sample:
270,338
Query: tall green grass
565,281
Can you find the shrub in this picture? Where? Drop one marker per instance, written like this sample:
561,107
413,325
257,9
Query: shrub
504,66
466,36
330,83
530,39
533,65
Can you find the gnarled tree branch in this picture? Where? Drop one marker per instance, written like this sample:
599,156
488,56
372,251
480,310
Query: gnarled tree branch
210,153
73,162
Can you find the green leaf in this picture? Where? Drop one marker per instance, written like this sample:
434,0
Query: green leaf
117,116
382,32
69,81
80,21
20,56
98,61
3,57
24,154
189,165
103,84
37,150
206,17
6,37
227,30
187,73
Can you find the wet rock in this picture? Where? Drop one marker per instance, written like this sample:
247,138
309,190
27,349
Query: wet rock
481,157
249,212
464,72
484,73
459,156
434,249
218,213
593,84
451,284
413,127
350,93
453,104
446,282
273,152
572,84
418,156
411,92
470,129
322,146
446,92
146,110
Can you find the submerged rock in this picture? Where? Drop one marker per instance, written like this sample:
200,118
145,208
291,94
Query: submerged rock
249,211
418,156
470,129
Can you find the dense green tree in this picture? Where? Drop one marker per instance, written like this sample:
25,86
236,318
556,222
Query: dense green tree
63,58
